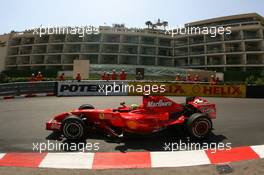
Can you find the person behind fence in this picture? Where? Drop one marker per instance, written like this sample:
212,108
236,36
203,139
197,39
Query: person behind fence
62,77
122,75
178,77
32,78
78,77
107,76
196,77
39,77
113,77
188,78
212,80
103,76
139,76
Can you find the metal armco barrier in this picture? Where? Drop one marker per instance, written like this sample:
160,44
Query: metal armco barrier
195,89
255,91
20,88
123,88
91,88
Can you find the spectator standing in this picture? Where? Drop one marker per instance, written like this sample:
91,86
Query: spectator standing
188,78
178,77
196,77
113,75
139,76
103,77
78,77
39,77
32,78
62,77
123,75
212,80
107,76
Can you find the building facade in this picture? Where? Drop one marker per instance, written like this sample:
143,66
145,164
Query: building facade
119,47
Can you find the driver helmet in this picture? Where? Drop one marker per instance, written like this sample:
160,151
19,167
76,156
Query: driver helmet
134,106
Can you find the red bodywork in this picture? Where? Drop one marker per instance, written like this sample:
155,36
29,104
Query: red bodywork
156,113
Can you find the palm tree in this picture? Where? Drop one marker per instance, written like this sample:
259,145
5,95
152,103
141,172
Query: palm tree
165,24
148,23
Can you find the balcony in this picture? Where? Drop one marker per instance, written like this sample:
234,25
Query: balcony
180,62
180,41
23,60
234,59
214,49
165,61
165,52
25,50
110,49
148,51
28,40
11,61
234,47
196,40
165,42
92,38
55,48
255,59
39,49
57,38
92,58
148,40
42,39
147,60
111,38
13,51
128,60
73,38
251,35
217,38
109,59
253,46
195,61
72,48
215,60
232,36
37,60
55,59
130,39
15,41
90,48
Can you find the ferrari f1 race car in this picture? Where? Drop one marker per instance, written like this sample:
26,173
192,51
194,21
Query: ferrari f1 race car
155,114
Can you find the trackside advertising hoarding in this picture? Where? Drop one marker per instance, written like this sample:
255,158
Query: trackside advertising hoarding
90,88
181,89
117,88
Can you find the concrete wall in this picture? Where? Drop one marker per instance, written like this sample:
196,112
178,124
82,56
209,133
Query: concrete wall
3,51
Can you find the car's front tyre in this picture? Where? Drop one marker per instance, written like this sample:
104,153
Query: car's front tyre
73,128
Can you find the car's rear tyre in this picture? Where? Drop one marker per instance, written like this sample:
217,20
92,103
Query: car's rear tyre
73,128
86,106
199,125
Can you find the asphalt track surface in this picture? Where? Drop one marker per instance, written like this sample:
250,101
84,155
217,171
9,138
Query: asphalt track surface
239,122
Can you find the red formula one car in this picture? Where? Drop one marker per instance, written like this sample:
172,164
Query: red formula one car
155,114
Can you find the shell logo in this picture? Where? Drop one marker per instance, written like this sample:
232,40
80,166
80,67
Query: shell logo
132,124
101,116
